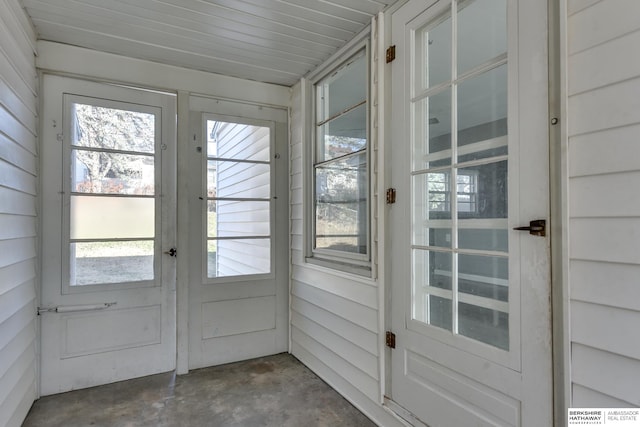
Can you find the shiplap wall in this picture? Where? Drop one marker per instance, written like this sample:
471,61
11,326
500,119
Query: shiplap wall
604,208
18,184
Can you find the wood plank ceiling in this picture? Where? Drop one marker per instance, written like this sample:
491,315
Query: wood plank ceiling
274,41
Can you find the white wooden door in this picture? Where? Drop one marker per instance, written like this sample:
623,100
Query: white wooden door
471,296
238,254
108,186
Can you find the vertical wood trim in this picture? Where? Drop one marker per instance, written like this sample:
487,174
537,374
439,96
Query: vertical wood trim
183,208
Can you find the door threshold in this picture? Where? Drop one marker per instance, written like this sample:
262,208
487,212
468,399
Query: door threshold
403,413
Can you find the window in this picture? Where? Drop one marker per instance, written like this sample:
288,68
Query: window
340,214
113,197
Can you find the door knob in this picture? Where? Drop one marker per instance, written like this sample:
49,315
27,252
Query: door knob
537,227
172,252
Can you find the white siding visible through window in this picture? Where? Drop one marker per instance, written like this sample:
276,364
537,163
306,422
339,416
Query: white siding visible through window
239,199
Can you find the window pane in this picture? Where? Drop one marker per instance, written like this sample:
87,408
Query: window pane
343,135
432,138
236,257
343,89
238,219
239,179
482,114
111,173
432,288
483,287
111,262
484,192
341,205
433,54
238,141
482,32
490,239
110,128
112,217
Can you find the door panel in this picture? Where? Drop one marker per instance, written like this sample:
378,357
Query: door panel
470,295
108,292
238,267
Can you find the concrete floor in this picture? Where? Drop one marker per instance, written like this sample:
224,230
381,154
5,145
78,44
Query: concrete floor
270,391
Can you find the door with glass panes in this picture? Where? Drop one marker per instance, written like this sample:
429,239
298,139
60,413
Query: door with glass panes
471,307
108,198
238,275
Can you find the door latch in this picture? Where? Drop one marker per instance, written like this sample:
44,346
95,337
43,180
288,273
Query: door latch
172,252
537,227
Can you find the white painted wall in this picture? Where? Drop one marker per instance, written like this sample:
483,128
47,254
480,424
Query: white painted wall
603,125
18,213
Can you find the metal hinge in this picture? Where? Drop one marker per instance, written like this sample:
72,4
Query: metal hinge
391,53
390,339
391,196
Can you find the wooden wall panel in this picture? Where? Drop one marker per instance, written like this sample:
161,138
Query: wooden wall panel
18,184
604,214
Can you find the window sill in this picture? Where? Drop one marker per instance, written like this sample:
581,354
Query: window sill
359,270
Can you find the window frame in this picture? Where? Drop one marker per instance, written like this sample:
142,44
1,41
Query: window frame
360,264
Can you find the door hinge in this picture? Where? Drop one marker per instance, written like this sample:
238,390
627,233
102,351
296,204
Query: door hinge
391,196
391,53
391,339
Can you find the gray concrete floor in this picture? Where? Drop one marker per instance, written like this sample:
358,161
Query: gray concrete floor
270,391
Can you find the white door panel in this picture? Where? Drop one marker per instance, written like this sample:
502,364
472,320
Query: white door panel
470,296
108,291
238,226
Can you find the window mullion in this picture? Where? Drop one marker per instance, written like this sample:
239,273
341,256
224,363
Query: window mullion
454,170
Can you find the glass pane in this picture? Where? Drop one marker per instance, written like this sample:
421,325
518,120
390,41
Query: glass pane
112,173
238,141
432,197
341,205
342,90
237,257
432,133
433,54
238,219
239,179
484,324
432,288
110,128
343,135
483,286
482,113
111,262
112,217
482,32
484,239
483,193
